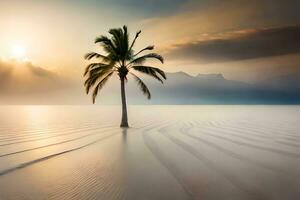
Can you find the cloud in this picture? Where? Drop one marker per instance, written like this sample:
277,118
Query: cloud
239,45
27,83
40,72
194,19
18,77
5,73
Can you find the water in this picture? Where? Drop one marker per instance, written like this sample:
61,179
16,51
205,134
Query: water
170,152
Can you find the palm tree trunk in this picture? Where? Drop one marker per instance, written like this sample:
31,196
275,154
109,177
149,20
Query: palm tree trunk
124,122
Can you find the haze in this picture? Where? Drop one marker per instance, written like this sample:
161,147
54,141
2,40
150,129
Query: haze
249,41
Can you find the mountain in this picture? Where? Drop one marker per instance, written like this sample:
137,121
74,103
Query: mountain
25,83
182,88
210,76
283,82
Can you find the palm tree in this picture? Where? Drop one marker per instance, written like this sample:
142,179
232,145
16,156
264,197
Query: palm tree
120,58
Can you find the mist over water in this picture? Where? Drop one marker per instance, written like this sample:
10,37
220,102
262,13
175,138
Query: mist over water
170,152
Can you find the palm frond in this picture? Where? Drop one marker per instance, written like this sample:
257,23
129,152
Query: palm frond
125,42
100,85
142,59
103,39
142,85
148,69
151,71
133,42
116,38
91,55
97,66
100,70
94,77
144,49
107,45
120,40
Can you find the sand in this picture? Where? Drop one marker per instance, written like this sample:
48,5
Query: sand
169,152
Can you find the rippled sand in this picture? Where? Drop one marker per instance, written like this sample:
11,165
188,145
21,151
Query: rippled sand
170,152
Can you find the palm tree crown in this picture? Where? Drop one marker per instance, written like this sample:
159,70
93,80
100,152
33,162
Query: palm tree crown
122,59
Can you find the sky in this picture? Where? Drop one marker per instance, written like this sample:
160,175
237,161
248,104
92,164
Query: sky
244,40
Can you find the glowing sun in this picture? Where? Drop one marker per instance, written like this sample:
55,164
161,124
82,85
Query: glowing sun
18,52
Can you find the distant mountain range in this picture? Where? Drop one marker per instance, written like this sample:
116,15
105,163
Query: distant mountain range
181,88
25,83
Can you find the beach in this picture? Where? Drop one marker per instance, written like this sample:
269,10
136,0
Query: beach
169,152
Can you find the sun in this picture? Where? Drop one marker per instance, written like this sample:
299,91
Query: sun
18,52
